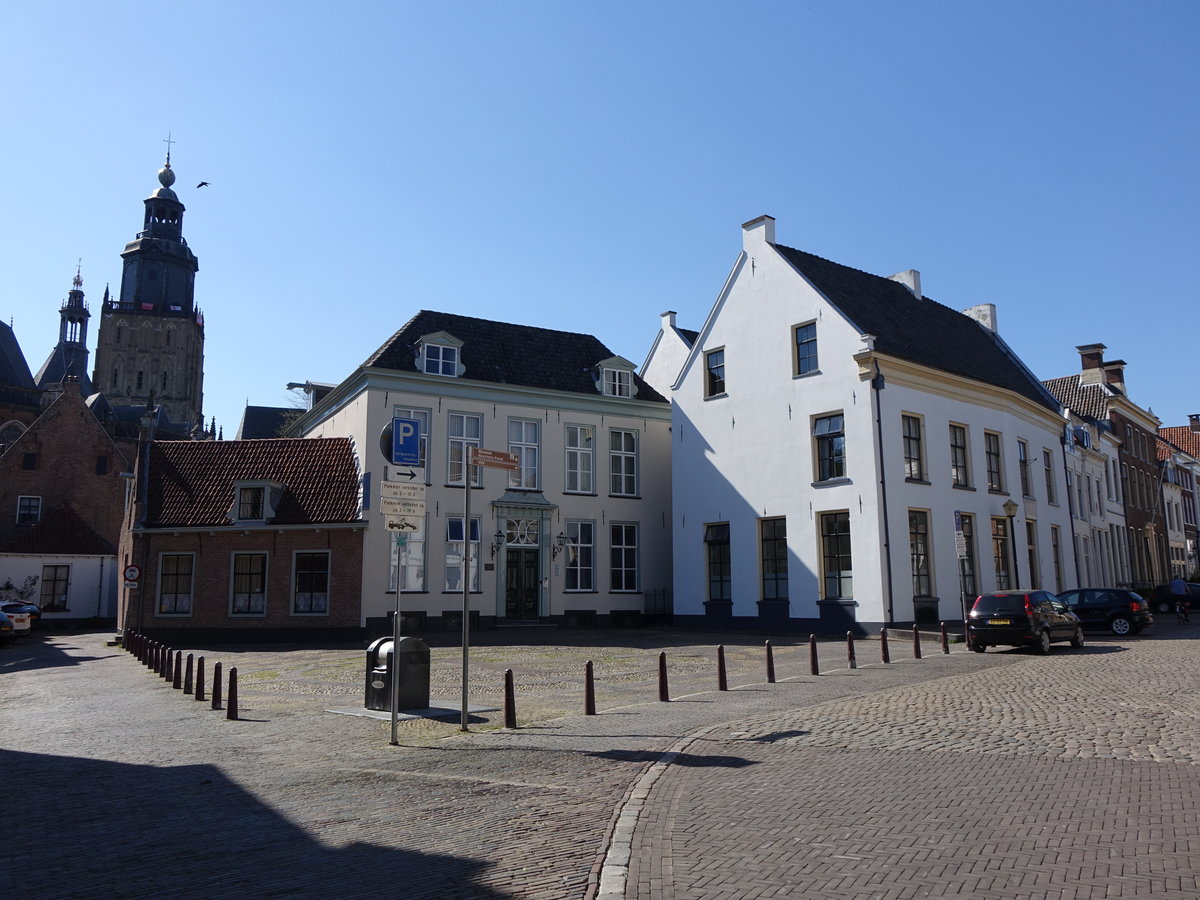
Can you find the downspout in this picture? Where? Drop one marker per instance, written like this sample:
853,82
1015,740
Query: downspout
1062,448
876,387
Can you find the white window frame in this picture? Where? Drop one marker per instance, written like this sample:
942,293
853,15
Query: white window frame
527,449
579,460
617,382
454,552
438,358
234,594
314,597
23,516
462,442
580,556
623,464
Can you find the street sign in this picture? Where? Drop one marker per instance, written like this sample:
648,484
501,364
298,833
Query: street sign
960,539
406,442
408,509
495,459
133,573
402,527
401,490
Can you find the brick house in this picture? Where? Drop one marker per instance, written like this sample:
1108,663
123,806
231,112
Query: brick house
246,540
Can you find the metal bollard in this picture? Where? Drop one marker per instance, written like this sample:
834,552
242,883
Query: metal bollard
177,671
722,681
883,646
154,664
945,639
510,701
168,672
770,664
231,710
916,642
200,679
813,666
589,690
216,700
663,694
187,675
850,660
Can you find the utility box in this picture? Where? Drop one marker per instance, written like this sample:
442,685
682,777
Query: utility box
410,667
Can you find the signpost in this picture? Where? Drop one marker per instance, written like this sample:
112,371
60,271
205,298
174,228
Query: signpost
961,551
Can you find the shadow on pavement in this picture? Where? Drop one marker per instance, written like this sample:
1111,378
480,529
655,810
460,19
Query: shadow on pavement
35,652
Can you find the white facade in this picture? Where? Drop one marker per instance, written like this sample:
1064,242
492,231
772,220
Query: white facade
87,585
1097,507
582,532
776,374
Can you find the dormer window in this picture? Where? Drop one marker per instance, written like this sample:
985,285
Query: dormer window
255,501
614,377
250,503
441,360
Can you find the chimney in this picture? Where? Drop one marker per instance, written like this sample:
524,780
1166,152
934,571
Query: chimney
668,320
1091,360
984,314
911,279
1194,422
1114,374
757,232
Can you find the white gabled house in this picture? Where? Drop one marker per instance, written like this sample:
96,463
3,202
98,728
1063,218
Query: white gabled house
833,433
579,535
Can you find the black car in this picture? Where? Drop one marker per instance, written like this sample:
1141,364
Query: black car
1021,619
1120,611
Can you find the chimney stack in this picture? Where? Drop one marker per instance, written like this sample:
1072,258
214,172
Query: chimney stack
911,279
1194,422
1091,359
1114,374
984,314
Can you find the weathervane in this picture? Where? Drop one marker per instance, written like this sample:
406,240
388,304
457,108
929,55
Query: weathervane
168,142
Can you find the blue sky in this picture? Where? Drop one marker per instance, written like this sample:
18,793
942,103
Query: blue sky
587,166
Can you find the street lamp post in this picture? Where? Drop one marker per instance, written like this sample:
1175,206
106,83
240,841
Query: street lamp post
1010,510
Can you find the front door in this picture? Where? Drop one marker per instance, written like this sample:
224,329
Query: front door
521,589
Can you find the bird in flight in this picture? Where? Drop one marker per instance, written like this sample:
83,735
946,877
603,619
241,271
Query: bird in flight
202,184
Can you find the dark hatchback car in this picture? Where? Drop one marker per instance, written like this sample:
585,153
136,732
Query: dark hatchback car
1117,610
1021,619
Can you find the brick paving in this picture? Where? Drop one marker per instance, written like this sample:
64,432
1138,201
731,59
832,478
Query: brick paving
995,775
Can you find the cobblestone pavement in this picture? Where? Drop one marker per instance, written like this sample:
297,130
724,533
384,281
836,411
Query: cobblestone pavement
995,775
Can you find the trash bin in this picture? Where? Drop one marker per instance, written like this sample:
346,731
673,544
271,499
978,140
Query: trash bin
411,666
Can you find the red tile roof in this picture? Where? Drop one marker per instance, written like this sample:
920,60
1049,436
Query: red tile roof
60,532
192,483
1182,437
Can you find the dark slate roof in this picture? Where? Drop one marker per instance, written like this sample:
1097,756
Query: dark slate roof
60,532
191,483
14,370
501,353
265,421
64,362
918,330
689,336
1089,401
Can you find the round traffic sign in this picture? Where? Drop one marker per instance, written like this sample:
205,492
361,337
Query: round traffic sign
132,573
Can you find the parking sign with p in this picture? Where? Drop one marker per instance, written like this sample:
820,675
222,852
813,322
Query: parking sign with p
406,442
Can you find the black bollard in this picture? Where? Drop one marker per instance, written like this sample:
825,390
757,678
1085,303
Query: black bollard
883,647
916,642
813,666
589,690
722,681
231,710
168,672
663,693
187,675
510,701
216,700
770,664
850,660
945,639
200,679
177,671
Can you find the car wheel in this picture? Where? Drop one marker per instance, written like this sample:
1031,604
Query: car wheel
1164,606
1043,643
1120,626
978,646
1077,640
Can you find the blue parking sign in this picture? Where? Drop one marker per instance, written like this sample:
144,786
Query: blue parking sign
406,442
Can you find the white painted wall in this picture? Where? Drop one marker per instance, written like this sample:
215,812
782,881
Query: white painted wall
91,591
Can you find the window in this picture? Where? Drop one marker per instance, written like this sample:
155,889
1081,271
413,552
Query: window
831,447
1000,565
991,453
837,572
918,551
422,417
960,461
101,465
580,463
141,377
618,383
914,467
311,590
623,545
175,584
249,584
1048,469
773,544
53,592
966,563
250,503
454,553
714,364
1023,465
29,509
465,431
623,463
523,444
580,550
1035,567
29,461
720,566
407,573
440,360
805,339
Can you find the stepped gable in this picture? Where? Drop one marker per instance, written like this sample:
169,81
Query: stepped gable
503,353
192,483
918,330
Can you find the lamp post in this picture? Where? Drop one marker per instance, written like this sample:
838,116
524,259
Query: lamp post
1010,510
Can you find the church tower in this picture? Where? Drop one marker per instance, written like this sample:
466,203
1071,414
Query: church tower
151,343
69,358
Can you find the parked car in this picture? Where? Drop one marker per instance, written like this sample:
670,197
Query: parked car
22,624
30,609
1021,619
1163,601
1119,611
6,629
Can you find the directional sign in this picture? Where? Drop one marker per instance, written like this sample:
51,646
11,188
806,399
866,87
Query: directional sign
495,459
406,442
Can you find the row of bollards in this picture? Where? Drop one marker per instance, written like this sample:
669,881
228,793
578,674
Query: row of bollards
186,676
664,694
